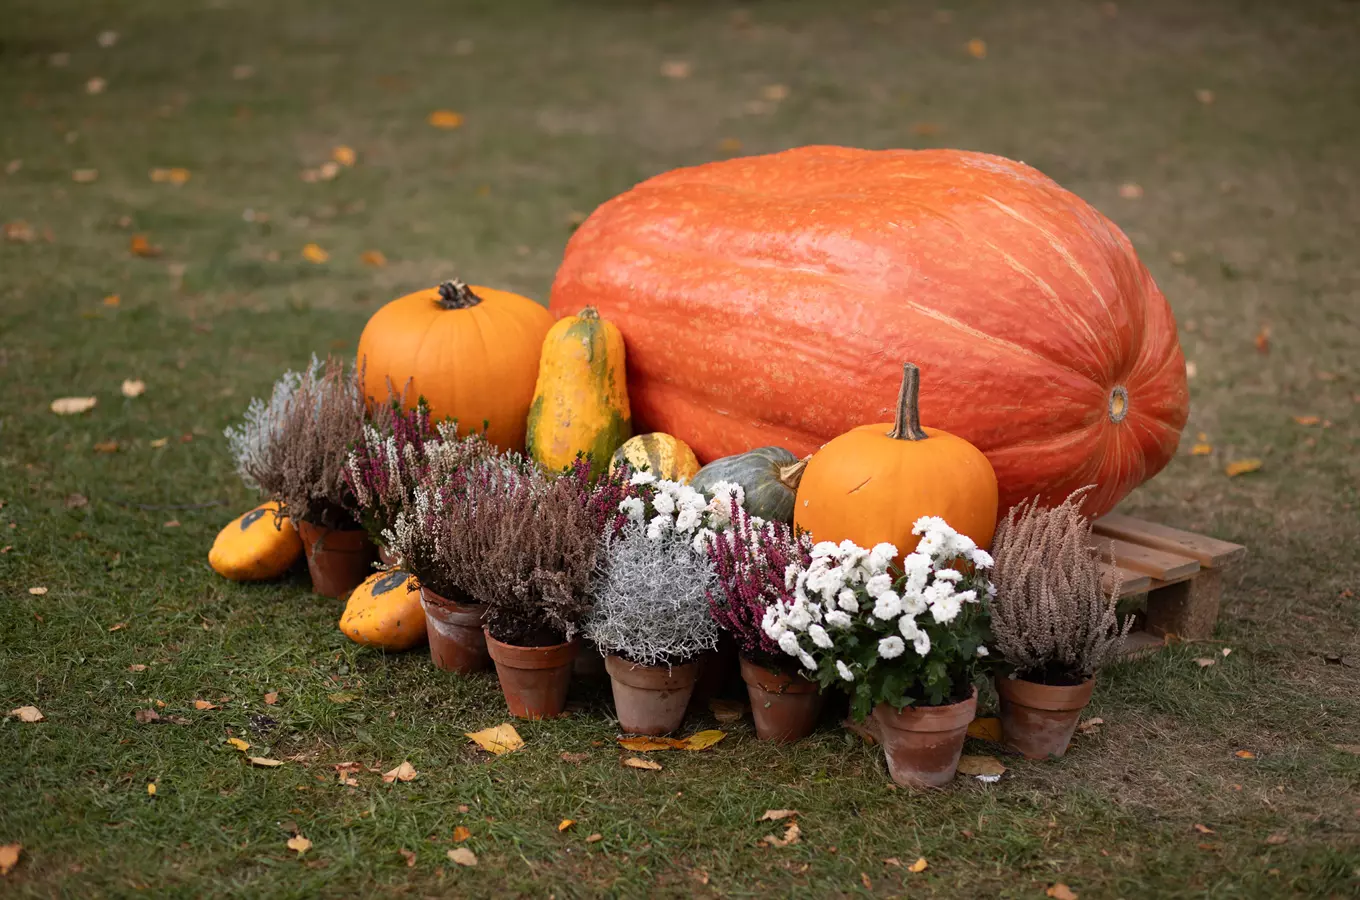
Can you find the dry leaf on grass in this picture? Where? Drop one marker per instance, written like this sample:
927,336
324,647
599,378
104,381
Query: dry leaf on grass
106,447
792,835
137,667
271,698
1201,450
977,48
151,789
141,245
1204,829
1204,95
1307,420
175,176
77,501
574,758
775,92
702,740
595,838
637,762
409,856
645,744
1348,748
19,232
727,711
1262,340
403,772
374,258
117,626
774,815
341,697
314,254
71,406
565,824
461,833
988,729
676,68
1277,838
498,739
463,856
95,85
1244,754
9,857
1061,891
345,156
980,765
264,762
1205,661
1241,467
1130,191
37,591
919,866
85,176
29,714
238,744
444,118
1090,726
864,880
146,716
204,705
133,387
299,843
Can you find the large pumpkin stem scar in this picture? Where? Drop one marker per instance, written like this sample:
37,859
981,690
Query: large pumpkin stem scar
907,426
454,294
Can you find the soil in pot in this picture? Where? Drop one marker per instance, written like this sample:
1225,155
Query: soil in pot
535,680
337,560
922,744
785,705
1038,719
650,699
457,642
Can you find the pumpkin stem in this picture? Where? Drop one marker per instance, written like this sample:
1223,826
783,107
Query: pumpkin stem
454,294
907,426
792,475
590,313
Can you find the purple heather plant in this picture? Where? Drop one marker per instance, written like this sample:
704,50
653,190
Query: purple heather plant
387,463
752,560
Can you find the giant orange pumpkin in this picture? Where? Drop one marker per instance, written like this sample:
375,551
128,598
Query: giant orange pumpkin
471,352
871,484
761,300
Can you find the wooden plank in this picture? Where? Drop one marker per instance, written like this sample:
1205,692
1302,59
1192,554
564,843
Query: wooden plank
1159,564
1130,582
1211,553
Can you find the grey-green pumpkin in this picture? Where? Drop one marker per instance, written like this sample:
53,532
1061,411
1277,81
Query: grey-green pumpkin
768,475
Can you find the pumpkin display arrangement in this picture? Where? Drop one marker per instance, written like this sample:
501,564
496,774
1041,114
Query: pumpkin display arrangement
720,443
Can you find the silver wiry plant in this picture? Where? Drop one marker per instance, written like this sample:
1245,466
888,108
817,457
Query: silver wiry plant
1051,618
251,441
651,599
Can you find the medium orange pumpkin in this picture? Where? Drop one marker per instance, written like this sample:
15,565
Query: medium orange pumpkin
759,297
470,352
871,484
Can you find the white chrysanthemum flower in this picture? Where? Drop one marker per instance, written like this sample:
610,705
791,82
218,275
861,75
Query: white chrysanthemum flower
663,503
819,636
837,619
788,642
634,508
921,643
968,596
947,610
847,601
806,659
773,625
844,671
791,572
950,575
982,651
686,520
640,479
878,584
887,606
882,555
657,527
799,618
908,628
823,549
927,524
891,647
982,559
702,539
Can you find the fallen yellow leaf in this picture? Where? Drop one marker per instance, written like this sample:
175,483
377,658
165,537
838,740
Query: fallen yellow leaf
264,762
980,765
314,254
105,447
29,714
463,856
137,667
1307,420
151,789
85,176
774,815
271,698
645,744
792,835
702,740
345,156
444,118
374,258
1205,661
403,772
176,176
203,705
9,857
676,68
37,591
918,866
1204,829
160,442
341,697
1061,891
299,843
19,232
977,48
987,729
565,824
410,857
1089,726
141,245
1201,450
1262,340
71,406
238,744
595,838
637,762
1130,190
1244,754
133,387
461,833
498,739
1241,467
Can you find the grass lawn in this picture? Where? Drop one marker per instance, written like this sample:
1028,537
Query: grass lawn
1246,208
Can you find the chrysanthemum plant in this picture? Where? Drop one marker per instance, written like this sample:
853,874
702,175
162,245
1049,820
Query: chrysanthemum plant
909,636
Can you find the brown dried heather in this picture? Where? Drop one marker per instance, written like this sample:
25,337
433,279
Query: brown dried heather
302,463
1051,618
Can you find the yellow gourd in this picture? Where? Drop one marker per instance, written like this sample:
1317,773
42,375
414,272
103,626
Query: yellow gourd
580,402
256,546
385,612
664,455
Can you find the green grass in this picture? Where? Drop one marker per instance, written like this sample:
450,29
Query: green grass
1247,219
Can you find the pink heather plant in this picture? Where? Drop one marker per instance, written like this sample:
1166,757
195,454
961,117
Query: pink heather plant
387,463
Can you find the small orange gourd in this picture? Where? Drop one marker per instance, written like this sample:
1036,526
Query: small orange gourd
385,612
872,483
256,546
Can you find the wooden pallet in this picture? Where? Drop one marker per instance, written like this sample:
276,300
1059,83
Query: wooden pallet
1181,573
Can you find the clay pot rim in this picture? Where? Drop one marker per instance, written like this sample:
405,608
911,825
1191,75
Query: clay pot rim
1051,697
651,678
439,600
332,540
949,717
773,681
550,657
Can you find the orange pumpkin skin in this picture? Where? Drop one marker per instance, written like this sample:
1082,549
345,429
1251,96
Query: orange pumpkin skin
760,298
475,363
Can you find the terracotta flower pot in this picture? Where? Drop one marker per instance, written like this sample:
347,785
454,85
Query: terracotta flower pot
650,699
1038,719
457,643
784,705
534,679
337,560
923,743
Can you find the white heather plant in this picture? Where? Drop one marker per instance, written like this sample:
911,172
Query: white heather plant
908,637
651,598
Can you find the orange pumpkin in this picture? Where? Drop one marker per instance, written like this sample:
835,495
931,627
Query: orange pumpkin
470,352
871,484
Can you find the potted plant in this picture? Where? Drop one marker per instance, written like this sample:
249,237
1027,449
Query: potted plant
650,610
406,485
385,465
294,449
903,643
753,561
1054,624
